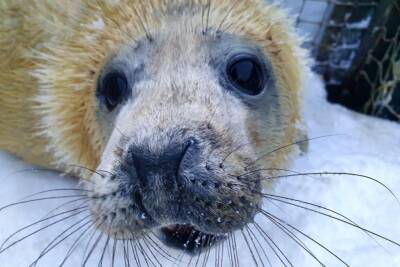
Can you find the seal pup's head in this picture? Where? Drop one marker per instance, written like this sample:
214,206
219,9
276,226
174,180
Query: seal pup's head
176,102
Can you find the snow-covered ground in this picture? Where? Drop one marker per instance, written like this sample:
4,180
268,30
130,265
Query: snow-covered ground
359,144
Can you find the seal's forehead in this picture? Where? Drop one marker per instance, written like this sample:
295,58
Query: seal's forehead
181,46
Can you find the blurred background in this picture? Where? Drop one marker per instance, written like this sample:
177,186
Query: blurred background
355,45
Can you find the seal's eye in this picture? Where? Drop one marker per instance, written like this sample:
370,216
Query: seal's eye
246,74
114,89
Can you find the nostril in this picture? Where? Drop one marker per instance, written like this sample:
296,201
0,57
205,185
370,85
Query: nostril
191,141
190,146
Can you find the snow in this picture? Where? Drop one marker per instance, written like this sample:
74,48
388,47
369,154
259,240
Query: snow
353,143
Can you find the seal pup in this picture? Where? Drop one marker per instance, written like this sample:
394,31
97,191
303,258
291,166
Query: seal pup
171,112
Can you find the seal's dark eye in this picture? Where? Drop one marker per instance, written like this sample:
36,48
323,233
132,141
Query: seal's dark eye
246,75
114,89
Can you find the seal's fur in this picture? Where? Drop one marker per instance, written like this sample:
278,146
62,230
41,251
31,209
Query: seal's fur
52,53
186,149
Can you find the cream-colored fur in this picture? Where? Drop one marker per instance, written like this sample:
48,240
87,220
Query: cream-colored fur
51,53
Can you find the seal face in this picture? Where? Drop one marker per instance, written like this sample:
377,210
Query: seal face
178,107
176,119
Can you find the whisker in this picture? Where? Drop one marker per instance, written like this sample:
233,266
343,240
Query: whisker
338,219
141,250
151,251
207,254
217,255
53,244
55,190
180,258
39,199
134,252
270,196
337,174
282,222
294,237
289,145
92,234
114,251
104,251
208,244
227,15
142,22
126,254
235,249
187,240
264,169
41,229
259,244
167,256
208,16
308,175
90,170
230,251
201,249
100,236
251,238
76,243
202,19
248,246
161,251
233,151
35,223
272,244
297,240
144,253
222,257
348,222
66,204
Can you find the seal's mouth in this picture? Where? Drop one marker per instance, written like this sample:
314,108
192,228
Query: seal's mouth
186,237
183,236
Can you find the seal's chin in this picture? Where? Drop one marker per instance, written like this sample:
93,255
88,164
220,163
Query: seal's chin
186,237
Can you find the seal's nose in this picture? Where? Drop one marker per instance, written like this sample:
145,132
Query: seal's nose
162,168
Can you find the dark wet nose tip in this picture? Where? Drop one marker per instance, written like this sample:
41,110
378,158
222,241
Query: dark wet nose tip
166,163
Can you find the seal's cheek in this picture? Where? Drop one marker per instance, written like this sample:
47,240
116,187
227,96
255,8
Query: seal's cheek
116,208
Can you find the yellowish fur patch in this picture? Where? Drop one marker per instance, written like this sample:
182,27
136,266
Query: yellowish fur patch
51,53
